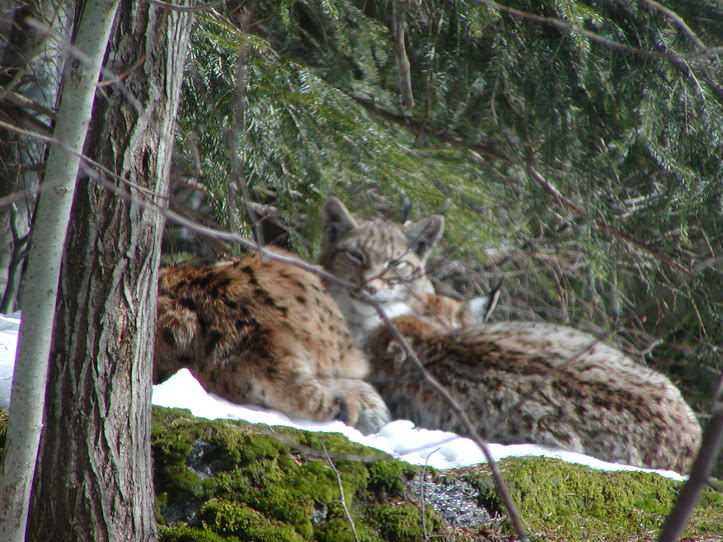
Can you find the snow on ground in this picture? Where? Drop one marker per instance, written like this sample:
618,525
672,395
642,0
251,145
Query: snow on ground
399,438
9,325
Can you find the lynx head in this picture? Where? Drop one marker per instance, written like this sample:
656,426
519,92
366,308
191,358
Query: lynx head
383,259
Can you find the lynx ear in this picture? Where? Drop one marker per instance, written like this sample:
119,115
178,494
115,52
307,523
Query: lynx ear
337,220
424,234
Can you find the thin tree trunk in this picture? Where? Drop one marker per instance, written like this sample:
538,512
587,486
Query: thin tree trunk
94,477
404,71
46,249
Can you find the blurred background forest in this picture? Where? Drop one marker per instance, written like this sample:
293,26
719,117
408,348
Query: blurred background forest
575,153
573,146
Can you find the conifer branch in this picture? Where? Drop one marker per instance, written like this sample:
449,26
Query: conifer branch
704,51
603,226
421,127
680,23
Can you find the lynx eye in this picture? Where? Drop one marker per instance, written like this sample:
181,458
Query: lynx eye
399,264
354,256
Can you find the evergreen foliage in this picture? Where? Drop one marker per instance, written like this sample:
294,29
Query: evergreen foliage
617,107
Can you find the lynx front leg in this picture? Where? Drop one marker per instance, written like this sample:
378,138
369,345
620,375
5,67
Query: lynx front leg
350,400
309,396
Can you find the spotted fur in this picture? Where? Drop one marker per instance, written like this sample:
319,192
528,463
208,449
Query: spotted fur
258,331
511,378
516,383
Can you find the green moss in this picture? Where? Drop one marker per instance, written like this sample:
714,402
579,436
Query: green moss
337,530
389,477
237,480
230,481
181,532
402,522
571,502
227,518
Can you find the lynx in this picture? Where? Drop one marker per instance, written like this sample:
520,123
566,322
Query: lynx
259,331
382,259
512,378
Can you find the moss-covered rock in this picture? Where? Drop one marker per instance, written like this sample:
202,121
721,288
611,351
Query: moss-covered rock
231,481
237,481
563,501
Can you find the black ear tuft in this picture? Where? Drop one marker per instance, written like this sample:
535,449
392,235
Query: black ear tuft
424,234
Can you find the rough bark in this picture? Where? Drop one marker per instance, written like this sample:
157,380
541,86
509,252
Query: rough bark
94,478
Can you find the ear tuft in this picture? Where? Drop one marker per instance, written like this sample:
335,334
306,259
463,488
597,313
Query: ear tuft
424,234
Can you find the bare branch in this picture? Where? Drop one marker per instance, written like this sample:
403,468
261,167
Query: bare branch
22,101
602,226
700,474
71,49
472,432
341,493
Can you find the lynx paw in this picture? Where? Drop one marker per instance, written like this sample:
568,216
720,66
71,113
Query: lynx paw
362,407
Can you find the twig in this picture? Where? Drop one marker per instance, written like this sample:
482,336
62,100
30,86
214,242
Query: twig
341,493
235,168
602,226
471,431
83,58
187,9
422,495
689,495
25,102
16,197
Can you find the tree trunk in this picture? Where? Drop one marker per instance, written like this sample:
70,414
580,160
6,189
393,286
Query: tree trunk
94,477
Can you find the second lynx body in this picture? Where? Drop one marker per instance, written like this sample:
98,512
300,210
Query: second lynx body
535,382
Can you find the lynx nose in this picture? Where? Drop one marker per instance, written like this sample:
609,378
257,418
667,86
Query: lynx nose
373,287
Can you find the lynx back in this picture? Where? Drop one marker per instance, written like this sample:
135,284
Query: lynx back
255,330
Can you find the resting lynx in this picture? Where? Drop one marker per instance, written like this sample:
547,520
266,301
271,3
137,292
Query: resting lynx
385,260
603,404
258,331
